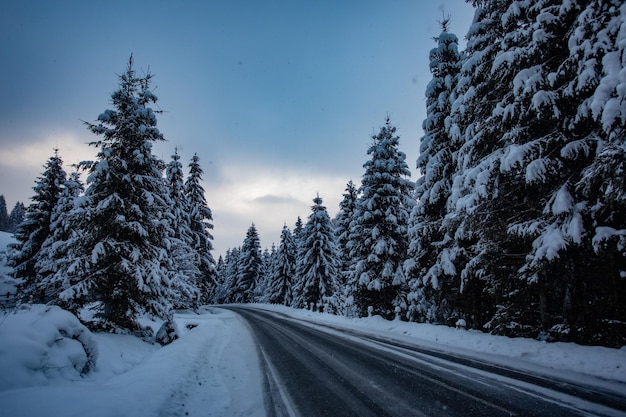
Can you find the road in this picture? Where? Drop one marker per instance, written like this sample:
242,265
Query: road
314,370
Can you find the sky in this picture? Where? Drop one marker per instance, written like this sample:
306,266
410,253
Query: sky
279,99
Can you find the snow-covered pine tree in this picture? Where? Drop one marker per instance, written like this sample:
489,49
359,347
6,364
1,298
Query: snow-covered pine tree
250,267
574,101
280,291
200,221
318,268
231,270
261,291
537,109
52,253
433,283
4,215
378,232
16,217
341,227
35,229
186,276
297,234
120,255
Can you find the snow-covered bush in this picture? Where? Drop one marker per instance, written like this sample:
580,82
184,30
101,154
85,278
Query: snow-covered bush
40,344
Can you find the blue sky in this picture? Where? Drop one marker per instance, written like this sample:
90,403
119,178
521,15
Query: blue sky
278,98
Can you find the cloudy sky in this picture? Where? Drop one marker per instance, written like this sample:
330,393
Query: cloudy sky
279,98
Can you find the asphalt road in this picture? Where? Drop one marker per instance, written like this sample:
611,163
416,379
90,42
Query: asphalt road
314,370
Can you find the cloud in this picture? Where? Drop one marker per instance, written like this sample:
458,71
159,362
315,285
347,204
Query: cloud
267,197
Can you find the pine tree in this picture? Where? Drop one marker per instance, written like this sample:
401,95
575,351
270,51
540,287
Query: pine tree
35,228
297,234
537,108
378,233
16,217
52,253
4,215
280,290
342,235
250,267
186,277
433,283
319,267
231,272
120,257
200,217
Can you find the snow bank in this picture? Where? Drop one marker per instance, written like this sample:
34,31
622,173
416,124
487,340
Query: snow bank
43,345
211,370
595,361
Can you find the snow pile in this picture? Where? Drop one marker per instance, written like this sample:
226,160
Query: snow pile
211,370
42,345
522,353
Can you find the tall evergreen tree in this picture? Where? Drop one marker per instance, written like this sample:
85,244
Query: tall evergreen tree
378,235
280,290
186,277
250,267
121,258
200,217
536,111
433,283
49,284
319,267
16,217
35,228
342,234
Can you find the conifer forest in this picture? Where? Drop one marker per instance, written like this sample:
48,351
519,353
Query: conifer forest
514,220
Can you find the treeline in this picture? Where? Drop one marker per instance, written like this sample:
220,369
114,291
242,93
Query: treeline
130,240
518,222
10,221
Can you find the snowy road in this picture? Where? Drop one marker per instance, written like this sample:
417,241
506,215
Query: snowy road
315,370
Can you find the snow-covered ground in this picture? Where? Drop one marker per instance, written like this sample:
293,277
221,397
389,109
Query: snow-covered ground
213,368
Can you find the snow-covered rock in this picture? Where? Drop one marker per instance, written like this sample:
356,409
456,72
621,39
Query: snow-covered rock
41,344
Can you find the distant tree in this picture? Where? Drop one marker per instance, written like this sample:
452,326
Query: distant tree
280,289
297,234
319,267
120,257
187,276
4,215
52,252
341,227
378,235
250,267
231,271
35,228
200,218
16,217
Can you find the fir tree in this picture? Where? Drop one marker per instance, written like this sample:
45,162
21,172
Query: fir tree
52,251
378,235
200,217
250,267
16,217
187,275
432,281
318,269
35,229
342,235
120,256
280,291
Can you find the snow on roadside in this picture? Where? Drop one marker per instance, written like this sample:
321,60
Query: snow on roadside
212,370
595,361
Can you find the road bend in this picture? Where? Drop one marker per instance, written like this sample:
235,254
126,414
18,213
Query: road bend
318,371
